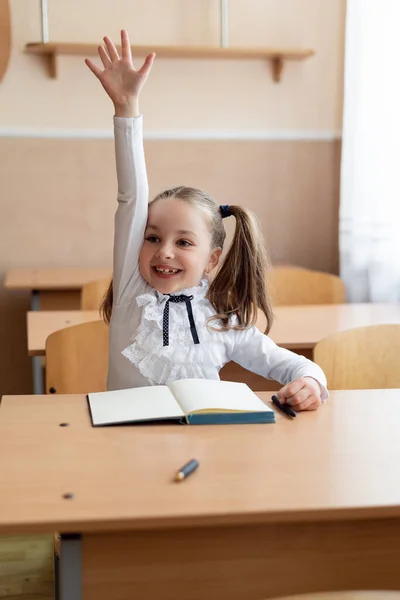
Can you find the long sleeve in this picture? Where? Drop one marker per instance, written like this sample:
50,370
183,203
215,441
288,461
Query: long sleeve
131,215
256,352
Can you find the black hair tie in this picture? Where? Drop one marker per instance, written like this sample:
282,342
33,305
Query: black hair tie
225,210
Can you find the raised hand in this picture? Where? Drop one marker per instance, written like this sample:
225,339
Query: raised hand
119,78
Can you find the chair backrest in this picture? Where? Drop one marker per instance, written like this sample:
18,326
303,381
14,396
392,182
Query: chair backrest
367,595
93,292
77,359
361,358
294,285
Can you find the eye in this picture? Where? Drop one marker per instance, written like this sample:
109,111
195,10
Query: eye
153,239
184,243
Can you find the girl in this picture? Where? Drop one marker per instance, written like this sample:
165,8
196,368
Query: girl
166,321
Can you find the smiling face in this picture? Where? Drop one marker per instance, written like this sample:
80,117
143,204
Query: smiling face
177,249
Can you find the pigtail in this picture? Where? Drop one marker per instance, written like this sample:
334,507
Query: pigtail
106,304
240,285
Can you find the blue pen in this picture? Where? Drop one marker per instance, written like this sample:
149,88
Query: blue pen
288,410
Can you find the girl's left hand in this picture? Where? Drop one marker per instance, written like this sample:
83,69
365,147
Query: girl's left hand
303,393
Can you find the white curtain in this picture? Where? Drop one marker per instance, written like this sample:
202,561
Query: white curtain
370,175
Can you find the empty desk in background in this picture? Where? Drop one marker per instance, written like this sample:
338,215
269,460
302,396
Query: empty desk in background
52,289
297,328
41,324
55,288
298,506
302,327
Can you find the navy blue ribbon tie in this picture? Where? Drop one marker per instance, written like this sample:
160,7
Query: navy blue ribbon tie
193,330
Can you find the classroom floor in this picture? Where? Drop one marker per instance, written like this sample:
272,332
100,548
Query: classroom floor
26,567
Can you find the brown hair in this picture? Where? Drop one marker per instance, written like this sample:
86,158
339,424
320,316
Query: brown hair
106,304
239,287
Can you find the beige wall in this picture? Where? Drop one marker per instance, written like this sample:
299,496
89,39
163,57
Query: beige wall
57,194
183,94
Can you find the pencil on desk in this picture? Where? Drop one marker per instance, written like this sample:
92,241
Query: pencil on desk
186,470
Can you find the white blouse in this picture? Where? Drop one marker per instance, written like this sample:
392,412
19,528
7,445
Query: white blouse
138,356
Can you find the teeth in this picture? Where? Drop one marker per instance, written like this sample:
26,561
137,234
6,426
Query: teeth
167,271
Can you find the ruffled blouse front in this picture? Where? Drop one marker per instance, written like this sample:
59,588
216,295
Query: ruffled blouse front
181,358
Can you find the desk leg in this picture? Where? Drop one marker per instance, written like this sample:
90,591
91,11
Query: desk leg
38,387
69,585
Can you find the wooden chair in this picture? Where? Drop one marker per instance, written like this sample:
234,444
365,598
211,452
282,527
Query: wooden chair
93,292
289,286
77,359
368,595
361,358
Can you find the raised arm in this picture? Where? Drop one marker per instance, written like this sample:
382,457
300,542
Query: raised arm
123,84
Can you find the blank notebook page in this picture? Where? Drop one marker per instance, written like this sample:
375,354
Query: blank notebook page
205,394
137,404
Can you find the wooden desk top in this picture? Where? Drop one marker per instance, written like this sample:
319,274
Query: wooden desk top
56,278
295,327
300,327
42,323
339,462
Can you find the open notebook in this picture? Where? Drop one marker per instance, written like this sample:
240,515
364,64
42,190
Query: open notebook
192,401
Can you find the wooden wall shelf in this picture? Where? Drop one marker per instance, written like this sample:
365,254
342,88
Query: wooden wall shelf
51,50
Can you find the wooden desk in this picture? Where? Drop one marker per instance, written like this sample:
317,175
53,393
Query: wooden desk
41,324
52,289
301,327
298,506
296,327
